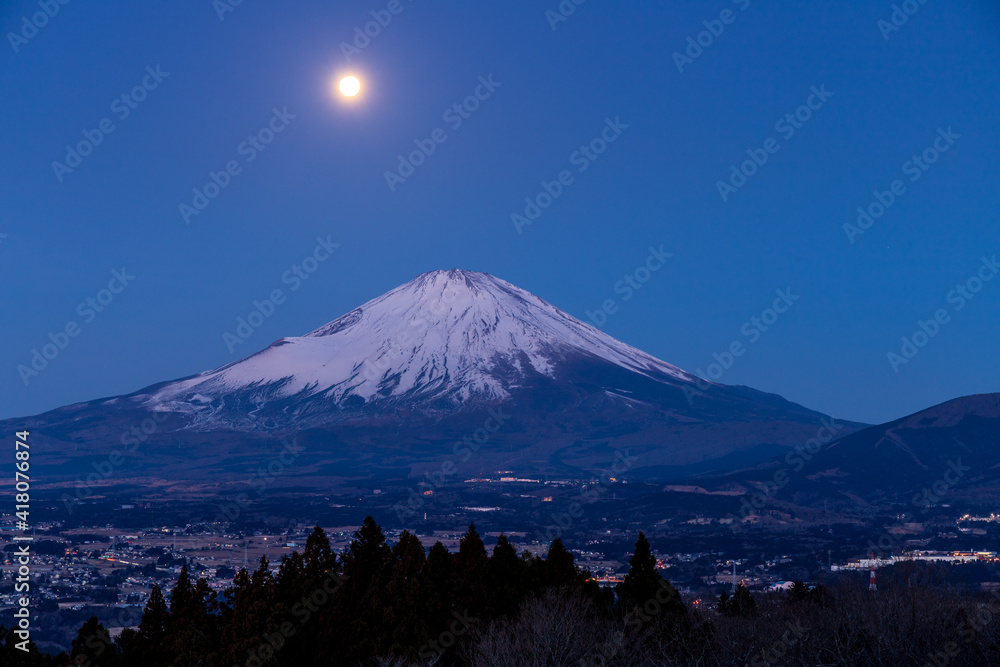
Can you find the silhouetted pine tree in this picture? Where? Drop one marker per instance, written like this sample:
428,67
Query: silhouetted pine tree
798,592
406,598
291,577
353,627
253,631
740,604
644,582
126,643
820,596
195,637
93,646
146,648
508,579
471,574
439,573
318,557
559,568
181,595
233,637
534,570
300,577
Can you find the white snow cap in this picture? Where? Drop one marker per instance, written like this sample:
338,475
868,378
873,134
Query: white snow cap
445,333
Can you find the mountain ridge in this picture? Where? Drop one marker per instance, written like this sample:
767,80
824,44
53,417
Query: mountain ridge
405,374
950,447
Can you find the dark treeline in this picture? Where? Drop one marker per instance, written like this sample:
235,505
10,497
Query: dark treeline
400,605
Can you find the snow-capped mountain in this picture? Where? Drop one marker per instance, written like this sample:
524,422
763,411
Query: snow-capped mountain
452,337
390,387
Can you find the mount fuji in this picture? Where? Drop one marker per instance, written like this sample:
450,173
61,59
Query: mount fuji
444,341
392,386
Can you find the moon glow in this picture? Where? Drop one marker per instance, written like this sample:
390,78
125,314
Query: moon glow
350,86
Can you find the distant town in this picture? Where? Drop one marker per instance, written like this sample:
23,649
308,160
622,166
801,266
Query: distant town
109,569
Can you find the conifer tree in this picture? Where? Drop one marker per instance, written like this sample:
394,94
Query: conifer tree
181,595
471,573
406,598
560,568
253,630
315,571
644,582
195,638
741,604
126,643
353,626
508,578
318,557
291,577
798,592
154,627
439,574
93,645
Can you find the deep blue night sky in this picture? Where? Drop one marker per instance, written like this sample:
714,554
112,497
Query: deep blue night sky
323,175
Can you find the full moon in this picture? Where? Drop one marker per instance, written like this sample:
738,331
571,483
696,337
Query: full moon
350,86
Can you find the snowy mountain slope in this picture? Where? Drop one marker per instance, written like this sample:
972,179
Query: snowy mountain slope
456,335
